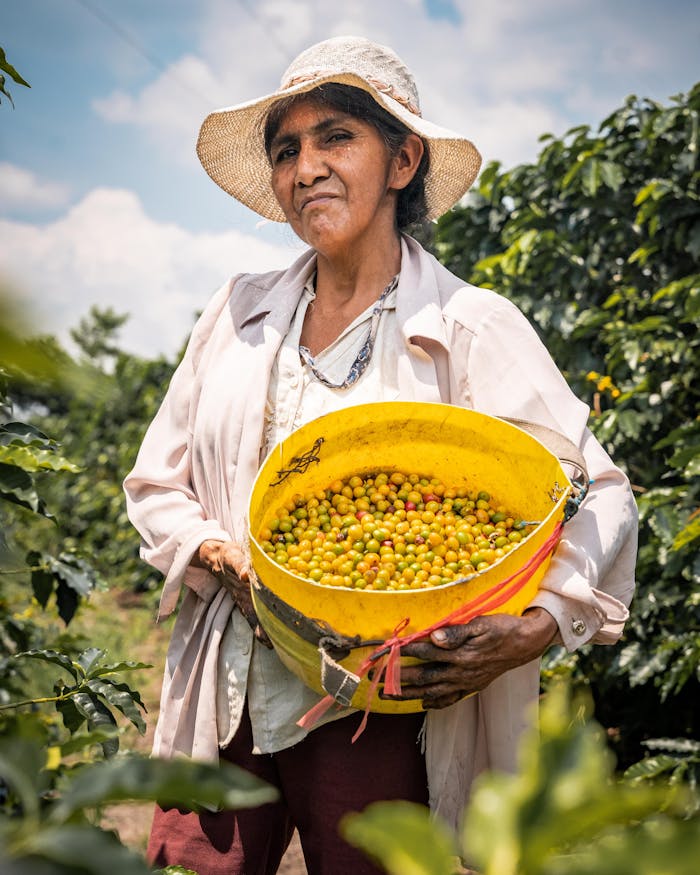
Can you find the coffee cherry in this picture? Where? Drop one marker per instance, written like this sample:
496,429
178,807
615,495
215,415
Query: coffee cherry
390,531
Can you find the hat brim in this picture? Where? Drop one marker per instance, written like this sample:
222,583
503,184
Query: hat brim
231,149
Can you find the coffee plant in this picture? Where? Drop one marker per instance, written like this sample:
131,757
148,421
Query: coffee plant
598,242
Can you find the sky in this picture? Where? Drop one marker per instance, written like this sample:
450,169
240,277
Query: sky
103,200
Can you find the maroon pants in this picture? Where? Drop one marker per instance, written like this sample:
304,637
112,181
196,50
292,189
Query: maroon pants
319,780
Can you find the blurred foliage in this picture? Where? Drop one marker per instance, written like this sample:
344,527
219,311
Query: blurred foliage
7,68
565,812
29,458
598,243
59,750
53,790
100,413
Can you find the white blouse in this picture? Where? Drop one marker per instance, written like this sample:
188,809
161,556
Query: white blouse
277,699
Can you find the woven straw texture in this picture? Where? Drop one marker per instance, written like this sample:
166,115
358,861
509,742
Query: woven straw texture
230,144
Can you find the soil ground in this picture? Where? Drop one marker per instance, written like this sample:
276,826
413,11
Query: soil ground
145,641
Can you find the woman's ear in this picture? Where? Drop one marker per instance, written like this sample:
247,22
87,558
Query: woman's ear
405,162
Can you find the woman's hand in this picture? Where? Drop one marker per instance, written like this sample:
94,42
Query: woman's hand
226,561
465,659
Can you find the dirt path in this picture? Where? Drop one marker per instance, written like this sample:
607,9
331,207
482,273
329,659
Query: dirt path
148,643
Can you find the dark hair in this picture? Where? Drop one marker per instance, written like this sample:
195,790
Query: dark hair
411,203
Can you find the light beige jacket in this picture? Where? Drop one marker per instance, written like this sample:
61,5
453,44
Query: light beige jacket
200,456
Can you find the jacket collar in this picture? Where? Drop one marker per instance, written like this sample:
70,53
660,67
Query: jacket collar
284,292
418,298
418,295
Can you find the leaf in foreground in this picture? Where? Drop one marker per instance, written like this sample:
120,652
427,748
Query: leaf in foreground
403,837
180,782
79,850
564,798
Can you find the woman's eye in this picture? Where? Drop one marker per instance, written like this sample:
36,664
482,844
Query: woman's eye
338,136
284,154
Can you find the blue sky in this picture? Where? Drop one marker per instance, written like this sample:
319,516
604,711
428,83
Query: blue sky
103,201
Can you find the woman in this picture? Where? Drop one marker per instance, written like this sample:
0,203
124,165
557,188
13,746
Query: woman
342,153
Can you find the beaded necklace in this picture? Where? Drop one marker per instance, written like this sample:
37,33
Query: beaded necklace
362,359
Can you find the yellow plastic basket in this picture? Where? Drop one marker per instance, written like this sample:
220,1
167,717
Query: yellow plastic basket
459,446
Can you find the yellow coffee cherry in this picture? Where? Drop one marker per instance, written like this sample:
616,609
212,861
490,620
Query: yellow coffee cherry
390,530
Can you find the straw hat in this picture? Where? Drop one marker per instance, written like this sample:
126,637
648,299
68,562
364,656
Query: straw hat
231,148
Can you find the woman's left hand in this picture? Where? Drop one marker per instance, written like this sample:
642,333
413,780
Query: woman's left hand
465,659
227,562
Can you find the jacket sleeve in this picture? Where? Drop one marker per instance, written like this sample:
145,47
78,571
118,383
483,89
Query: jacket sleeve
160,499
590,581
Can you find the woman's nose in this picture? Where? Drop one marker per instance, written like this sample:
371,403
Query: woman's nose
310,166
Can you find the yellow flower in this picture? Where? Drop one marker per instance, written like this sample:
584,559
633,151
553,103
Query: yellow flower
592,376
604,383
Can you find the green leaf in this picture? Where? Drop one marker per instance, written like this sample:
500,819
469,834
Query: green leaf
69,576
591,176
42,585
89,658
676,745
80,740
17,487
122,697
53,657
98,716
116,667
66,601
403,838
29,865
74,579
645,192
31,459
642,254
687,535
651,767
10,70
181,782
75,573
24,433
22,757
72,717
563,797
684,455
86,850
659,846
612,174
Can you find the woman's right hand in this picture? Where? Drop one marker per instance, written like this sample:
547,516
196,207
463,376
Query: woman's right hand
227,562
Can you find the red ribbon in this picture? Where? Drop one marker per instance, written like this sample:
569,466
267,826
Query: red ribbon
385,658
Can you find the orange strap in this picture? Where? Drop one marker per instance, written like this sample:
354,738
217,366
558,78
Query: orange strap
386,657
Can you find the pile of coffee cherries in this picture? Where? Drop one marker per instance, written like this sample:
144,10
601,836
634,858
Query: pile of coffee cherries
390,531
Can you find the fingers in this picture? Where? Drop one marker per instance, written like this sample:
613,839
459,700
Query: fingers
444,640
435,697
451,637
229,564
233,560
429,652
262,636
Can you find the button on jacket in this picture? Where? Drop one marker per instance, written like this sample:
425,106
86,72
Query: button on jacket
199,458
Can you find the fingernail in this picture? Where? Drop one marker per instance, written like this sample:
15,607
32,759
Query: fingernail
440,636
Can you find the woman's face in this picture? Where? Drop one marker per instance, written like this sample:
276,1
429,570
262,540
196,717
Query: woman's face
334,178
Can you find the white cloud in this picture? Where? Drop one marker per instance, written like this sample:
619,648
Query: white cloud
107,251
24,190
490,76
171,108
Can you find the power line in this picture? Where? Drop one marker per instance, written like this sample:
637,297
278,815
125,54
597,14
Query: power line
138,47
266,29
